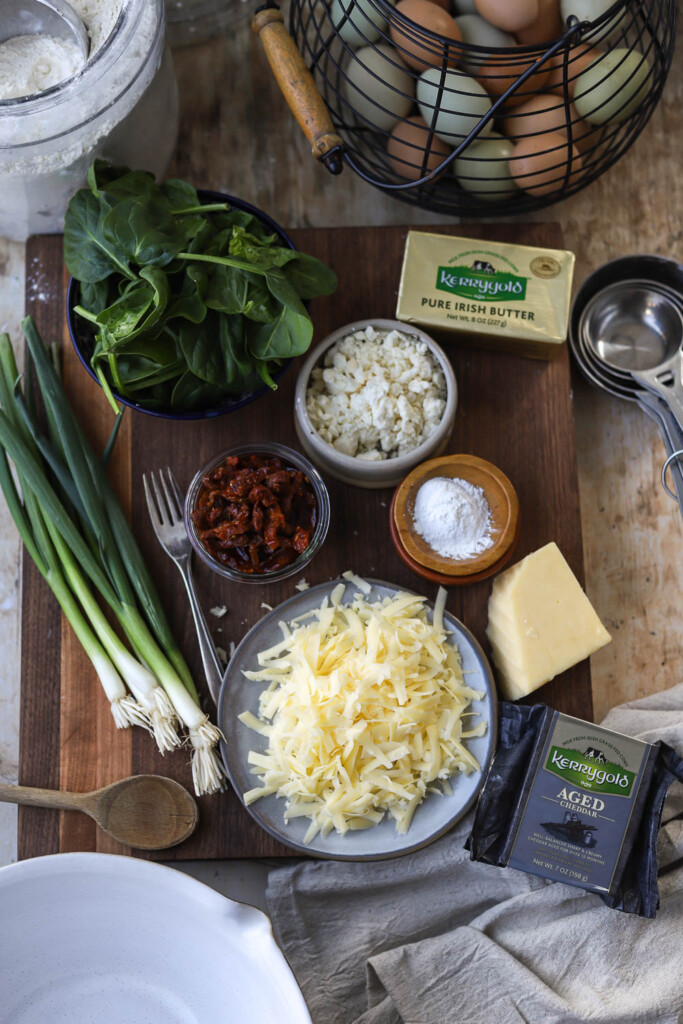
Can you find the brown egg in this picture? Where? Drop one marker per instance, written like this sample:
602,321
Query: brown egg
406,148
541,113
579,59
547,26
539,165
415,49
498,74
443,3
510,15
545,113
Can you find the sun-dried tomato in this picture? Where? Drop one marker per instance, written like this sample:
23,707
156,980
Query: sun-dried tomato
254,513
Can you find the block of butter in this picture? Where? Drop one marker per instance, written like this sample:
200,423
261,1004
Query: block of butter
540,622
493,294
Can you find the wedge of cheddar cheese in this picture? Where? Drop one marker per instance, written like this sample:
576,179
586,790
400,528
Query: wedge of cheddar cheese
540,622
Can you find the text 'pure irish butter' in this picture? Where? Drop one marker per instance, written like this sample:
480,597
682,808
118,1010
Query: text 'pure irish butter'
491,294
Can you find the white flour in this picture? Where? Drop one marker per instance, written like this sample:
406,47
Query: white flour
122,107
454,517
30,64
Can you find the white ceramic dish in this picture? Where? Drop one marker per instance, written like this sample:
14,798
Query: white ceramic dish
355,471
435,815
90,937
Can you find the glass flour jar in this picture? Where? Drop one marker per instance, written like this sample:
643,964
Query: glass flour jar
122,106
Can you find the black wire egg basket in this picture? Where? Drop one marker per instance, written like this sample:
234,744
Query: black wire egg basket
475,145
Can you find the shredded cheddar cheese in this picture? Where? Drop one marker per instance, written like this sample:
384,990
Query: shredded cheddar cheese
365,710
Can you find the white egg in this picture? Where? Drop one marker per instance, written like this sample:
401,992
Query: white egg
364,24
591,10
475,31
379,86
464,7
612,88
460,106
483,168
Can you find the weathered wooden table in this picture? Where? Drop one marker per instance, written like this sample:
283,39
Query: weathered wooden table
238,135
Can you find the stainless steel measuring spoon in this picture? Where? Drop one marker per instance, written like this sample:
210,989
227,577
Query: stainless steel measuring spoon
659,412
43,17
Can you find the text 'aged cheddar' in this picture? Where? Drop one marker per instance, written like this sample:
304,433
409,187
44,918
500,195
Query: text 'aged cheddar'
540,622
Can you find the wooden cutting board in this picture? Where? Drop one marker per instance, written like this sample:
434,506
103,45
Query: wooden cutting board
515,412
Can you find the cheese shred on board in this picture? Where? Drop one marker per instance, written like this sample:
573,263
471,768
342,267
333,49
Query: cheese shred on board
365,711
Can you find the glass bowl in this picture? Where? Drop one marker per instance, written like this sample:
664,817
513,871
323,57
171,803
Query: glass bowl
291,458
82,338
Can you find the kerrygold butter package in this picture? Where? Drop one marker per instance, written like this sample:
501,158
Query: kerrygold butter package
494,295
576,803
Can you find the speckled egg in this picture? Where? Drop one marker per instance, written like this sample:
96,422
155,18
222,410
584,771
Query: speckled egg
459,107
415,48
407,145
483,168
379,87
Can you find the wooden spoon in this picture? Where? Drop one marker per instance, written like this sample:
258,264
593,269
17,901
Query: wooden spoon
148,812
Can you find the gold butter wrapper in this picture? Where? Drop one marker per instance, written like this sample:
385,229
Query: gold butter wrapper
493,294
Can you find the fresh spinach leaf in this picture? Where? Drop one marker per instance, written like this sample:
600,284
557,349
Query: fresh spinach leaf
227,290
191,392
280,288
189,301
288,336
180,194
124,315
89,256
145,231
260,251
310,277
261,305
95,295
201,350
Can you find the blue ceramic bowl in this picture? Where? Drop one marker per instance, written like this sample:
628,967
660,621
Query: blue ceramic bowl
82,339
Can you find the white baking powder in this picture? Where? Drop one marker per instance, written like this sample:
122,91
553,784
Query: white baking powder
454,517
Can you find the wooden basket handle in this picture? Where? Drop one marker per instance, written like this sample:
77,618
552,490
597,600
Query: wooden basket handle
298,86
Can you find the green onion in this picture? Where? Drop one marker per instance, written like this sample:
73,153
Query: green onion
78,535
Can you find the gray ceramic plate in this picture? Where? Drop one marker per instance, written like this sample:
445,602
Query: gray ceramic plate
435,815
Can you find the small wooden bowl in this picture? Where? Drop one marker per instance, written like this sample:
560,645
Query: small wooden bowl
505,521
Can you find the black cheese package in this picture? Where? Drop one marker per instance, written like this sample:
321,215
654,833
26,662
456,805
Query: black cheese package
576,803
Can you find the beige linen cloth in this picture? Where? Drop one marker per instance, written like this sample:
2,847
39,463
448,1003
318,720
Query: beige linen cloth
434,938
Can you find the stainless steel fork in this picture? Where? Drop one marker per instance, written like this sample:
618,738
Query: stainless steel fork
165,505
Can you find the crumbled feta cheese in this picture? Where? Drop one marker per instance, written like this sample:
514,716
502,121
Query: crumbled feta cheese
219,611
378,395
302,585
